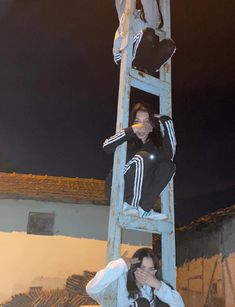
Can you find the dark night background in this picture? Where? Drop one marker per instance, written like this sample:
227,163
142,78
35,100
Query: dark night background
58,94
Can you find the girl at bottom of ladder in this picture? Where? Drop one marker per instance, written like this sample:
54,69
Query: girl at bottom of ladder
138,284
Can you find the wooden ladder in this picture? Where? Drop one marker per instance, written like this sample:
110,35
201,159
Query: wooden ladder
161,87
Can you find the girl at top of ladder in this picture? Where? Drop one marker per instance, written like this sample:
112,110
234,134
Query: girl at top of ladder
148,53
149,165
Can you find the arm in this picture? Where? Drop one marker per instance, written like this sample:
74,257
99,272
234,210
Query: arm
111,143
169,296
120,7
97,286
168,134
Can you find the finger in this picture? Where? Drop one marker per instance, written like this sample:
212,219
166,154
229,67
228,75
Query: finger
124,254
140,278
134,260
142,273
157,115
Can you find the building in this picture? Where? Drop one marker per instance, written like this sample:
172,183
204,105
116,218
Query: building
206,260
52,228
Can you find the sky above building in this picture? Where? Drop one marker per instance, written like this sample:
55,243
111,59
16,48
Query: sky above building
59,87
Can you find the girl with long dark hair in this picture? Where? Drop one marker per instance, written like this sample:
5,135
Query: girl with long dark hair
149,165
148,53
137,282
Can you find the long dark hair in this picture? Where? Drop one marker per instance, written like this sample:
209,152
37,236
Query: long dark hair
155,136
139,6
141,253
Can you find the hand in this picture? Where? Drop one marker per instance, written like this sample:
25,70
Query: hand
157,116
129,261
146,278
142,127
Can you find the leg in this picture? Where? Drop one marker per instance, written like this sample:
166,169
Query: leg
152,54
135,173
145,54
156,184
163,52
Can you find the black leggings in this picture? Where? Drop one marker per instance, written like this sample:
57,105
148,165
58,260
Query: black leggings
152,54
145,179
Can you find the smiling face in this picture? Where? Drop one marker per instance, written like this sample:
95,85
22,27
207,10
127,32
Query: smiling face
143,118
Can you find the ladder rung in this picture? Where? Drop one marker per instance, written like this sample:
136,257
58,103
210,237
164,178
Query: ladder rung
145,225
147,83
160,33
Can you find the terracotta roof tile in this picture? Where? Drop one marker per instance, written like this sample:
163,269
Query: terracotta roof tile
211,218
51,188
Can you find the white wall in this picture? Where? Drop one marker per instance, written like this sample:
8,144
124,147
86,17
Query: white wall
79,244
84,221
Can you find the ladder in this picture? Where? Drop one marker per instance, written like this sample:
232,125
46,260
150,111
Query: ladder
161,87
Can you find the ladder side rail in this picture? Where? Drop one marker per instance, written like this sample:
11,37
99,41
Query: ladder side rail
117,192
167,196
120,153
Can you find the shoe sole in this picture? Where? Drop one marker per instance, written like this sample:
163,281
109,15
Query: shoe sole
131,213
155,218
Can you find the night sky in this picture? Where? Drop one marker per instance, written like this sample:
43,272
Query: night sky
59,86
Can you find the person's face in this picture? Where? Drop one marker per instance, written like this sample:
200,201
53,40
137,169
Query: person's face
148,266
143,118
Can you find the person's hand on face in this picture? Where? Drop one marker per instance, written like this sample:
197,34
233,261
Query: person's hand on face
145,274
145,278
142,127
142,130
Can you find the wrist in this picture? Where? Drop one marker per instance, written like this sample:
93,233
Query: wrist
156,284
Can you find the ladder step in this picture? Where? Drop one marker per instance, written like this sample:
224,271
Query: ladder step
145,225
147,83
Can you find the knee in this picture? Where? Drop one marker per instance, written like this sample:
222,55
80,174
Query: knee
149,34
168,167
147,158
169,44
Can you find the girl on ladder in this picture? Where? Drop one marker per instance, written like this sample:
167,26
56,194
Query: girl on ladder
149,165
148,53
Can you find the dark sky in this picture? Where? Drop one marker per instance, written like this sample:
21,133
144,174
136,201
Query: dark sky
58,94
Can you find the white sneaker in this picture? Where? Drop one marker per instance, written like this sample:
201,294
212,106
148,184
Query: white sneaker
130,210
152,215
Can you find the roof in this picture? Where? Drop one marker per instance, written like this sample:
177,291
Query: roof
51,188
212,218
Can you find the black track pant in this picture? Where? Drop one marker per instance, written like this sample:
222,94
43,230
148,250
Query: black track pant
145,178
141,302
152,54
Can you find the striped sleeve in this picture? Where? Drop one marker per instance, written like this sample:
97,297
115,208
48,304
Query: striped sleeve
120,137
168,132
